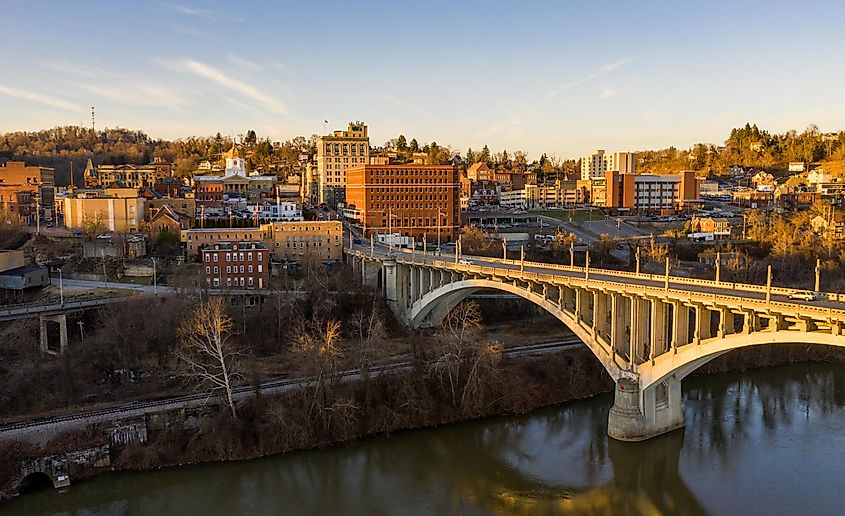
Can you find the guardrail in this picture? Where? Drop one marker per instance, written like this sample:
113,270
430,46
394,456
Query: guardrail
657,281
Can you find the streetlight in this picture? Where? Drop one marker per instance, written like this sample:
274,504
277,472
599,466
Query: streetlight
155,283
61,289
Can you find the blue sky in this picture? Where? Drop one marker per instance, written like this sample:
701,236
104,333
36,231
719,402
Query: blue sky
561,77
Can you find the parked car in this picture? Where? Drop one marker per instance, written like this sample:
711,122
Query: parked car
465,262
805,295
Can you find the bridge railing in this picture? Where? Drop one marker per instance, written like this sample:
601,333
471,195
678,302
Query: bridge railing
735,286
36,308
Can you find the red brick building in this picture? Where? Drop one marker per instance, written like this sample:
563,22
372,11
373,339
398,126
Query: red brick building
241,265
417,199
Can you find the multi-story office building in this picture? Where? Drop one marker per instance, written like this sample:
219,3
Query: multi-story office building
306,242
337,152
596,164
131,176
650,193
239,265
17,202
38,181
412,200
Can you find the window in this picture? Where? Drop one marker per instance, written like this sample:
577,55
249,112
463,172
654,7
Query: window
216,282
242,269
215,258
249,269
216,269
228,269
207,269
260,267
228,282
250,282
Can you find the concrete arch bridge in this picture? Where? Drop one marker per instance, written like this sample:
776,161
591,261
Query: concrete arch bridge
648,331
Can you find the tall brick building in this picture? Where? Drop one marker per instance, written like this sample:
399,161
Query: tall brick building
418,199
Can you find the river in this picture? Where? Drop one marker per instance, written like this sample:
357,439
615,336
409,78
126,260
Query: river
763,442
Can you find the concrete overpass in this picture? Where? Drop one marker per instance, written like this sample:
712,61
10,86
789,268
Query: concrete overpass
648,331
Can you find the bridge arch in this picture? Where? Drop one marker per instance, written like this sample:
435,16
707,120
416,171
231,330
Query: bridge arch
436,304
692,356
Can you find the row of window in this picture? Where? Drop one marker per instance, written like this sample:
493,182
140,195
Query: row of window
234,257
233,269
346,148
230,282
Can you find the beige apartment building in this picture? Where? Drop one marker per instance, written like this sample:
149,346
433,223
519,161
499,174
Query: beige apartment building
117,214
38,181
335,153
598,162
305,242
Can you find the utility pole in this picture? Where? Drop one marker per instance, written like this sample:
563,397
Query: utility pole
572,253
61,289
666,283
818,273
522,258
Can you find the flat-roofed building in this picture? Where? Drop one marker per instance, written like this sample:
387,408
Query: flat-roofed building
306,242
237,265
39,181
116,212
650,193
599,162
197,238
412,200
337,152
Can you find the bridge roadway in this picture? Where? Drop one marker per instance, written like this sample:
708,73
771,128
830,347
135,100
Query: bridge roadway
649,331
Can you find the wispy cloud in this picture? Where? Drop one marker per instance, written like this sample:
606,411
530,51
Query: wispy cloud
402,103
243,62
213,74
47,100
187,9
130,89
606,93
609,67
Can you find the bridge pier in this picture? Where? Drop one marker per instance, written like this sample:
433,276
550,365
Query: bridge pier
61,320
638,414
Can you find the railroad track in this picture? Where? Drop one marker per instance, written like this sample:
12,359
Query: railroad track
278,385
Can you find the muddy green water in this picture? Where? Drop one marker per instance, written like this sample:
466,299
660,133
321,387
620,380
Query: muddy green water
764,442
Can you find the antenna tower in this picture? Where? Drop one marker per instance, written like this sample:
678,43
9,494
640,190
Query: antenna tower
92,119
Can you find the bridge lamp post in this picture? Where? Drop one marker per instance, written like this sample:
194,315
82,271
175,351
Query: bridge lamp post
61,289
666,283
587,266
768,284
522,258
572,252
638,258
718,266
818,273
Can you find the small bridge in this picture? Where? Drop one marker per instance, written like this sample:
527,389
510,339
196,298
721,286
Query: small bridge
648,331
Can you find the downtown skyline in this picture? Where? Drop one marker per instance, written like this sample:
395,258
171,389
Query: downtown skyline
560,79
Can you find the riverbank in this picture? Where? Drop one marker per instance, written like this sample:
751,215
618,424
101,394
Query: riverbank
337,413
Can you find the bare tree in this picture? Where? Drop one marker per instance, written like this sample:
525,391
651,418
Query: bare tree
93,226
318,341
212,358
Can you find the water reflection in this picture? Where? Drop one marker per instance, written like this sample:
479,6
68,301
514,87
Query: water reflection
746,437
